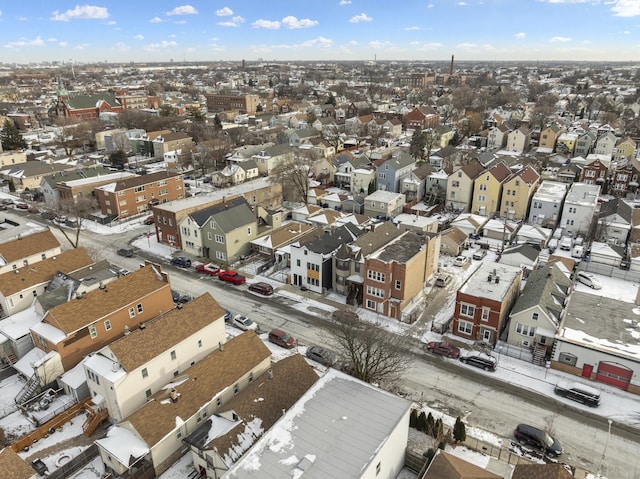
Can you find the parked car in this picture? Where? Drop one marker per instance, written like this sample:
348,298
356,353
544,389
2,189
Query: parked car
48,215
208,268
577,251
460,260
6,201
479,254
180,298
123,272
444,348
244,323
33,210
181,261
149,220
588,279
22,206
282,338
566,243
553,245
261,288
321,355
126,252
539,439
231,277
581,393
443,279
480,360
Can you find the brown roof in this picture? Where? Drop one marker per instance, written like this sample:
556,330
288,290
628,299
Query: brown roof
500,172
207,378
473,168
20,279
376,239
79,313
144,180
448,466
165,331
287,233
175,135
152,135
456,235
265,399
540,471
14,466
28,245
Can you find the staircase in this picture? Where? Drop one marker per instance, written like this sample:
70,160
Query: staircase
10,359
539,355
93,420
28,391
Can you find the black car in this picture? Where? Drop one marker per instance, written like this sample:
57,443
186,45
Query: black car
539,439
126,252
181,261
578,392
483,361
180,298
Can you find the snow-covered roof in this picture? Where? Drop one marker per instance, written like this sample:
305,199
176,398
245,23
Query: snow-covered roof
123,445
48,332
104,367
75,377
23,365
18,325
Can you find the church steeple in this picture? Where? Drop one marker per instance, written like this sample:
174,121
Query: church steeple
62,91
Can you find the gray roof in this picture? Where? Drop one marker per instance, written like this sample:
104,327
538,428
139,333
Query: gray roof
76,175
331,241
615,206
336,430
525,250
228,215
402,249
278,150
400,160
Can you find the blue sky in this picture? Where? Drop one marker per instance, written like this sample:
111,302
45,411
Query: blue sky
201,30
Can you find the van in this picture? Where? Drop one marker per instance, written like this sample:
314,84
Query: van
566,243
578,392
557,234
577,252
553,245
281,338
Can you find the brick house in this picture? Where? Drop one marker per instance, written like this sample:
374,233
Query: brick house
596,171
422,117
484,301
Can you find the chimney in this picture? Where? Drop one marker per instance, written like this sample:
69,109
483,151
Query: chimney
173,394
270,373
220,346
115,366
126,330
143,326
102,286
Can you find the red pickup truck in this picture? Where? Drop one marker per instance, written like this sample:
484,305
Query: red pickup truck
232,277
207,268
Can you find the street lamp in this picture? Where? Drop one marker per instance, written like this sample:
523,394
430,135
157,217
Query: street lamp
604,450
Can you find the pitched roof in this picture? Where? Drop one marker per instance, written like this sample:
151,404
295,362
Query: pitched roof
28,245
473,168
76,175
141,180
229,219
456,235
400,160
90,101
540,471
331,241
448,466
500,172
157,417
14,466
527,174
165,331
616,206
374,240
202,216
79,313
20,279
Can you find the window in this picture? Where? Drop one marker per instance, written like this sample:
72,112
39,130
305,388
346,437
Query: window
212,225
378,466
251,376
145,373
209,235
525,330
455,184
465,327
534,316
249,230
482,198
371,305
398,284
376,276
467,310
93,332
221,256
107,325
25,262
173,355
43,256
132,312
148,393
220,239
377,292
218,402
236,389
485,314
199,343
483,187
297,262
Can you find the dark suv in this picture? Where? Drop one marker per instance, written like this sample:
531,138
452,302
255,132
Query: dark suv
537,438
181,261
483,361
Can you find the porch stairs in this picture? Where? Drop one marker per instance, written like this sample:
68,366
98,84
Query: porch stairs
28,391
93,420
539,355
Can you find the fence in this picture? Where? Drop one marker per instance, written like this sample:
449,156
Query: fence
497,452
610,270
76,463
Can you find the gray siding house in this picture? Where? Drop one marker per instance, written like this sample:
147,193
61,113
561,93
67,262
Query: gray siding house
390,173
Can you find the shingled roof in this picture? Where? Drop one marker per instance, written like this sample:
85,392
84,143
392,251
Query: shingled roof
448,466
541,471
28,245
14,466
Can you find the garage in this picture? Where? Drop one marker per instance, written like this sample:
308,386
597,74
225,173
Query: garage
614,374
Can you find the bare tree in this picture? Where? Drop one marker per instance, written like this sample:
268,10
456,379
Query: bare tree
331,134
293,175
77,211
372,354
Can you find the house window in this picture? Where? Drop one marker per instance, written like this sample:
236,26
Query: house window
209,235
371,305
147,393
249,230
221,256
93,332
218,402
377,292
199,343
465,327
525,330
139,308
236,389
43,256
250,376
132,312
376,275
173,355
467,310
482,198
398,284
485,314
483,187
25,262
297,262
145,373
378,466
534,316
107,325
219,239
212,225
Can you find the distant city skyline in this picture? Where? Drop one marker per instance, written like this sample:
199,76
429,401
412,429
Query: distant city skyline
323,30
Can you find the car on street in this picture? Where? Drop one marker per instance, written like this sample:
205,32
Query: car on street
22,206
322,355
207,268
227,316
126,252
48,215
479,254
588,279
262,288
244,323
578,392
480,360
539,439
443,348
460,260
180,298
282,338
443,279
181,261
231,277
149,220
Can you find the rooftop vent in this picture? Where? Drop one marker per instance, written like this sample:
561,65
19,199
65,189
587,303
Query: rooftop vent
126,330
173,395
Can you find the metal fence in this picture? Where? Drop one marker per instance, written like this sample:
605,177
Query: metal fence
609,270
75,464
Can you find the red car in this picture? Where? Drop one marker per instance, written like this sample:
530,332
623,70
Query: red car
232,277
149,220
207,269
22,206
446,349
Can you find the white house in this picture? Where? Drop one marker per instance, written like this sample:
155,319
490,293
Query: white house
579,208
469,223
385,204
546,203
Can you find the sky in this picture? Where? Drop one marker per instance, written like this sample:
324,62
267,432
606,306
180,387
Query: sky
322,30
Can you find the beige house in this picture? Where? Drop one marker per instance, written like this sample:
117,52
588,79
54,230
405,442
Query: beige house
497,136
487,189
549,136
270,157
12,157
517,191
28,249
460,185
384,204
519,140
166,142
361,180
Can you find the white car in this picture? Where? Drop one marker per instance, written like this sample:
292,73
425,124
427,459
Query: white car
244,323
588,279
460,261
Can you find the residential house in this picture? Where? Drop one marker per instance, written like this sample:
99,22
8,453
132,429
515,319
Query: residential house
222,439
596,171
585,143
273,240
519,140
500,229
484,301
624,180
351,447
383,204
523,256
152,437
29,175
578,211
445,134
549,136
222,232
566,142
546,203
19,287
132,196
453,241
174,141
606,145
69,186
569,173
607,254
614,221
15,334
28,249
391,172
270,157
131,369
625,149
497,136
395,274
422,117
301,137
470,223
312,262
488,190
436,186
322,171
344,163
534,234
235,173
72,330
142,143
415,222
517,191
546,471
12,157
460,185
445,465
363,180
536,315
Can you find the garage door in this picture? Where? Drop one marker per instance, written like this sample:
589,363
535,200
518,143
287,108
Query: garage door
615,374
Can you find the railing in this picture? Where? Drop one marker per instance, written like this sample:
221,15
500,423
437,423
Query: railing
76,463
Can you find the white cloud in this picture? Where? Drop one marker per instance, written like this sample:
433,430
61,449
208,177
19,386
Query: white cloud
567,1
462,4
520,35
363,17
234,22
292,22
63,44
152,47
378,45
180,22
430,5
626,8
111,22
345,2
429,46
36,42
23,19
183,10
81,12
121,46
559,39
409,29
82,46
156,20
319,42
52,40
138,37
224,12
268,24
